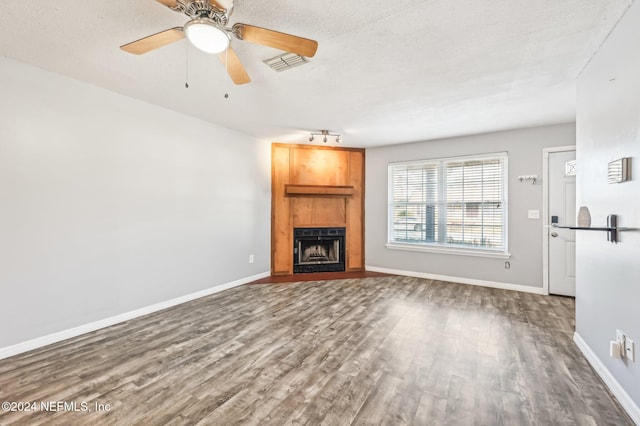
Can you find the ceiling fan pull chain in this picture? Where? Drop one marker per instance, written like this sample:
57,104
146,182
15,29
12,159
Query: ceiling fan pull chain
226,68
186,72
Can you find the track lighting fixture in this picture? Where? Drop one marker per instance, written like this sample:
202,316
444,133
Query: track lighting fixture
325,133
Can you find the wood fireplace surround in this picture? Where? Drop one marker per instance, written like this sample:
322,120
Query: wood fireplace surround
316,187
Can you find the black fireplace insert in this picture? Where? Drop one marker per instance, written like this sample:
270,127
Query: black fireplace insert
318,250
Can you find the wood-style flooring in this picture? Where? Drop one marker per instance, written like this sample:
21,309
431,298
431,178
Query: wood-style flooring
366,351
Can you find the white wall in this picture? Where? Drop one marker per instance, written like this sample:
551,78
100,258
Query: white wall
109,204
524,235
608,128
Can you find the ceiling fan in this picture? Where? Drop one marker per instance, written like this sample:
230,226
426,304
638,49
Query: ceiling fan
207,30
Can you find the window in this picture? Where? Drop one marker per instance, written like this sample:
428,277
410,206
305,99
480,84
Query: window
457,204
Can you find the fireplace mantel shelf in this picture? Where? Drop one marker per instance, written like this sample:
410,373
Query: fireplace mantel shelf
292,190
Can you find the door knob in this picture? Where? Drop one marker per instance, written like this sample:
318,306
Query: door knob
554,234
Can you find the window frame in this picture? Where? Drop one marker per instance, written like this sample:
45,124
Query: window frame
443,247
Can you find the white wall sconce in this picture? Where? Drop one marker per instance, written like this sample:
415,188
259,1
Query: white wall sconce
526,178
619,171
325,134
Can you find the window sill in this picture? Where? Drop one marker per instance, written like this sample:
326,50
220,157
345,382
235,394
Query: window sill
449,250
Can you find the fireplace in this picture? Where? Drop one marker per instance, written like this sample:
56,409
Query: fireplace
318,250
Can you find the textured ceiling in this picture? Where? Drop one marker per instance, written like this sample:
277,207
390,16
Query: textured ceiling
385,72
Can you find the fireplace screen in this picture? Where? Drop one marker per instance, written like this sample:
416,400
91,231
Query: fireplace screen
315,252
318,250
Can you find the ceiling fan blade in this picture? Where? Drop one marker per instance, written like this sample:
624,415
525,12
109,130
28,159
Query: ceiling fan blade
154,41
234,66
270,38
216,4
169,3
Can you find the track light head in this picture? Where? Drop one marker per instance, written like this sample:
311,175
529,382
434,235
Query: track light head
325,139
311,138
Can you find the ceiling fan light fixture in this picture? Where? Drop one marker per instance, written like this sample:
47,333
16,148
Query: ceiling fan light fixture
206,35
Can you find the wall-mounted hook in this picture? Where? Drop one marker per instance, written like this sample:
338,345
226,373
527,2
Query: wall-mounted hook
532,178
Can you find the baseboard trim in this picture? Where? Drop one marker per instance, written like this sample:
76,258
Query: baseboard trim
616,389
39,342
470,281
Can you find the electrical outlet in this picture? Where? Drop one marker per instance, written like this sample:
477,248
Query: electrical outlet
251,258
630,349
507,265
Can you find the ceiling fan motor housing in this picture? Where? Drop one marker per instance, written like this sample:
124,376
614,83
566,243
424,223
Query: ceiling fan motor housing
204,9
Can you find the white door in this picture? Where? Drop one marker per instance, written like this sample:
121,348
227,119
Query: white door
562,242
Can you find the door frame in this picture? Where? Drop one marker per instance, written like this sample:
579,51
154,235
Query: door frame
545,211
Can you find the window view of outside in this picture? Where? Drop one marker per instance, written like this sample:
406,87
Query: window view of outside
449,202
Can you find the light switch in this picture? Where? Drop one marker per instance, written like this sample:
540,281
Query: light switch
533,214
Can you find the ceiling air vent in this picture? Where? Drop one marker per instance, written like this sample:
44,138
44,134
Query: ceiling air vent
286,61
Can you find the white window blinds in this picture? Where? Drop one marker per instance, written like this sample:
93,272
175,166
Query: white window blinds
455,202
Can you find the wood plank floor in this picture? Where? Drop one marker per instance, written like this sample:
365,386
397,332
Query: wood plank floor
379,350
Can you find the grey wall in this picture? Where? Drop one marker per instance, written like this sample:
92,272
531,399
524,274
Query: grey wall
108,204
524,235
608,128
